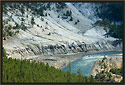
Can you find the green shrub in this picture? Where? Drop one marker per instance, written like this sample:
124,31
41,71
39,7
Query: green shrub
49,33
46,14
9,27
75,23
42,19
32,21
58,16
17,31
10,33
117,71
71,19
46,28
37,25
22,19
78,20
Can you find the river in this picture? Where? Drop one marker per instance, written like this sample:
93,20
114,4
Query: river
86,62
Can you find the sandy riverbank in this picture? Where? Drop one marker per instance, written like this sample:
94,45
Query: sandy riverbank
61,60
58,61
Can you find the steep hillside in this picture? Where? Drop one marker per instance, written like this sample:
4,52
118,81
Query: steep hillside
88,10
50,28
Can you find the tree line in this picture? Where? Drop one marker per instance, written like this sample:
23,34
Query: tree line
24,71
111,14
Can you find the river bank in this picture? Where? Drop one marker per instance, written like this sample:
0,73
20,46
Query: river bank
61,60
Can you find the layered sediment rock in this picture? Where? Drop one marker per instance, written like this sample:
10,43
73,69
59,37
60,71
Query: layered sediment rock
35,49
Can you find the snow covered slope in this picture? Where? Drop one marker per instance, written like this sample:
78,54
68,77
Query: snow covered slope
52,34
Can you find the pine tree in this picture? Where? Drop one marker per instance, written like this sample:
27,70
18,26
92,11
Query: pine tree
75,23
71,19
70,66
80,75
58,16
32,21
22,11
22,20
46,14
40,11
69,73
70,12
67,13
91,79
78,20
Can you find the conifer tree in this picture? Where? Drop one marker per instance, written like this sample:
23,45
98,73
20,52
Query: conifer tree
69,73
32,21
80,75
71,19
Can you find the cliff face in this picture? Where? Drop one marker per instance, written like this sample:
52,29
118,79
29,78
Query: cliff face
58,32
39,49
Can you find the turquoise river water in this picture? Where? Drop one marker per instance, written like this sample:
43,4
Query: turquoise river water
86,62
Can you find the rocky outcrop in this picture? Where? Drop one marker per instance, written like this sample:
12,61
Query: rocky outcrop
106,64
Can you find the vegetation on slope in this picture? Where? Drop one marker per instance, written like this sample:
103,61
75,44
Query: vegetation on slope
112,75
112,18
117,71
21,10
19,71
111,21
4,53
24,71
108,76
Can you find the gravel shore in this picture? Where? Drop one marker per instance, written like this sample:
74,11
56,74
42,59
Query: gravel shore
61,60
